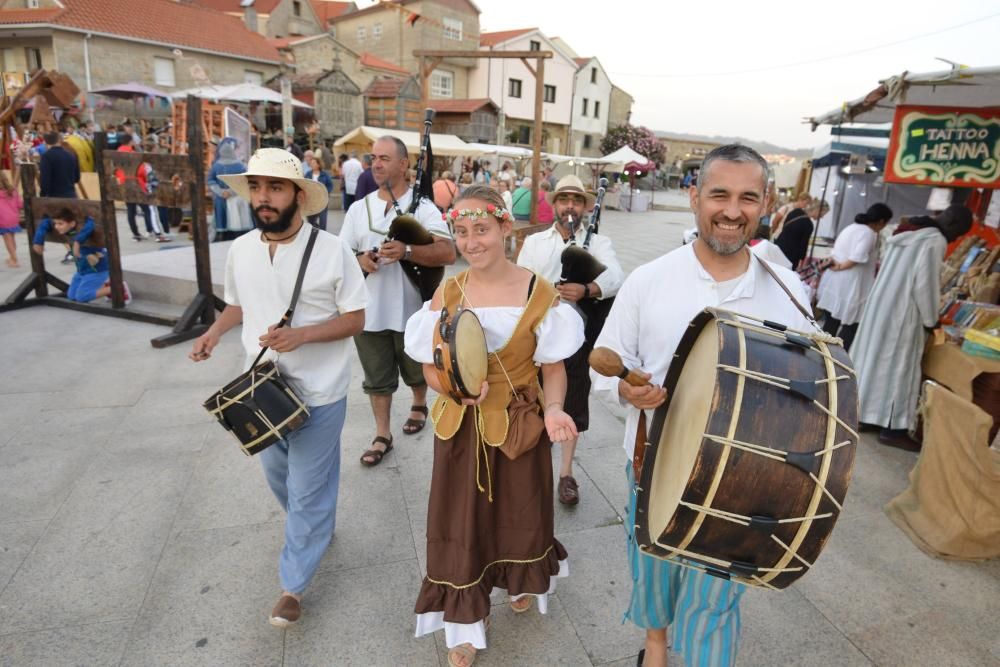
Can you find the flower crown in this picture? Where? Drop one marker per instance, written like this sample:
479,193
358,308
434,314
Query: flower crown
500,213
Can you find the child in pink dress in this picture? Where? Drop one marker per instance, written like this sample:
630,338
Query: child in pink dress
10,207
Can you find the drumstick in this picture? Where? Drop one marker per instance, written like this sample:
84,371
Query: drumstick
607,362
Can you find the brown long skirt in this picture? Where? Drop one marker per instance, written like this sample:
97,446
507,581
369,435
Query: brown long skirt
474,545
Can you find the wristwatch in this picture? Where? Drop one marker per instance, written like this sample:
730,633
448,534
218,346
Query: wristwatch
586,291
409,251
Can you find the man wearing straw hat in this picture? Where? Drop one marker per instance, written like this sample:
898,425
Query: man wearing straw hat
542,253
312,351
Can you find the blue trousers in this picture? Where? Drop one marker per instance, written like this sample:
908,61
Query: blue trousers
303,471
703,611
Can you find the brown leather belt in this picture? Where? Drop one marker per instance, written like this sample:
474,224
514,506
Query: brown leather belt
639,452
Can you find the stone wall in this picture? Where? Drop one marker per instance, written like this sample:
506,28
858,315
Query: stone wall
118,61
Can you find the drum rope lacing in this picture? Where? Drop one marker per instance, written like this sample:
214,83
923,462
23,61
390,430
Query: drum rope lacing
481,442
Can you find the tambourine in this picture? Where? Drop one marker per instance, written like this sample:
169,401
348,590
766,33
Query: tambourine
460,354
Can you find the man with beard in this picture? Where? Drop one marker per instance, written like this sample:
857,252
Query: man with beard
650,314
542,253
312,351
393,296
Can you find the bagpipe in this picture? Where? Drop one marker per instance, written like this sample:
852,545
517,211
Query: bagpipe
406,229
580,266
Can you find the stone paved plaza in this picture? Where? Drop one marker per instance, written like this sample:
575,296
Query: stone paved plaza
134,532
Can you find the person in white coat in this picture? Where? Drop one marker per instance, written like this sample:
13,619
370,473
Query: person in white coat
847,282
903,307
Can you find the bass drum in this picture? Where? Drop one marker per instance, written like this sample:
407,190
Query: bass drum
748,462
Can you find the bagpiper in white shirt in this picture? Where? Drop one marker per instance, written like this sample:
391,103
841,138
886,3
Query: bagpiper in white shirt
542,253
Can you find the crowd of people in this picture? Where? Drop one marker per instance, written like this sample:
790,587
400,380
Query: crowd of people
491,501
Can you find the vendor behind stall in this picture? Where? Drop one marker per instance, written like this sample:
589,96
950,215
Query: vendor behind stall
902,308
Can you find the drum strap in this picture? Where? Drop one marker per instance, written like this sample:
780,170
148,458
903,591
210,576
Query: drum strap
287,317
787,291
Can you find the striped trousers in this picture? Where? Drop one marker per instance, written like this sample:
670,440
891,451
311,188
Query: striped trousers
702,611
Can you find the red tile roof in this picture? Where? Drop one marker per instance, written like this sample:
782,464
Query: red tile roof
385,87
162,22
580,62
330,9
27,15
262,6
459,106
368,60
494,38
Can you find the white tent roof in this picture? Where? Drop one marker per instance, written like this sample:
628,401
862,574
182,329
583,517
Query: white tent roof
241,92
616,161
441,144
959,86
516,152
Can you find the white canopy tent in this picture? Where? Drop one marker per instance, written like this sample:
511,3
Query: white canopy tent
362,138
241,92
514,152
616,161
958,86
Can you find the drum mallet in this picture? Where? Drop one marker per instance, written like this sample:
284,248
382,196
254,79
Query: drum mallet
608,363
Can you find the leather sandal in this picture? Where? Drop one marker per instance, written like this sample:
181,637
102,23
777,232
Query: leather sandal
415,425
467,652
377,454
521,605
569,490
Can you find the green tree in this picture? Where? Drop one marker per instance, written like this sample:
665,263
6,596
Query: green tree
640,139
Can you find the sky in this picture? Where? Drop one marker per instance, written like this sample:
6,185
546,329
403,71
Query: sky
755,69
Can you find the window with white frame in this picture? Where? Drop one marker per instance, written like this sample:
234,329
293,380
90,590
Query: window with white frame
33,57
586,107
593,75
250,76
442,84
597,109
549,93
7,61
163,71
534,45
362,33
376,32
514,89
452,29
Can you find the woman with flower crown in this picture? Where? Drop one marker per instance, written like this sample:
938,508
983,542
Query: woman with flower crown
490,514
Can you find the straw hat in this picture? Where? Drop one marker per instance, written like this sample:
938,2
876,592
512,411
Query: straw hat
278,163
571,184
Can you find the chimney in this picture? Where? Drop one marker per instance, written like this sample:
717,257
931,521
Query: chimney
249,14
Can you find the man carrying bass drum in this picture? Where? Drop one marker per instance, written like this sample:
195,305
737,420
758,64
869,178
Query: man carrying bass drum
644,327
542,253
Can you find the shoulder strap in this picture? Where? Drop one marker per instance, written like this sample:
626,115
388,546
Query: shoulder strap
287,317
787,291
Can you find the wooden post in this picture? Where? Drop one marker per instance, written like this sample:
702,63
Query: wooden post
536,167
37,261
109,223
199,223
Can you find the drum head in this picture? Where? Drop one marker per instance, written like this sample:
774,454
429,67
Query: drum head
470,351
685,424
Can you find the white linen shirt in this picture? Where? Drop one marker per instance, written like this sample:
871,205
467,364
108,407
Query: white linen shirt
542,253
351,171
659,299
393,298
843,293
333,284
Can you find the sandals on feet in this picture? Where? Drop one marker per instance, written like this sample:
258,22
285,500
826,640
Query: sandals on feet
415,425
521,605
376,455
465,652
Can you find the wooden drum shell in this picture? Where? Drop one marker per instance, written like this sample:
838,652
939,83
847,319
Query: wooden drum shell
743,483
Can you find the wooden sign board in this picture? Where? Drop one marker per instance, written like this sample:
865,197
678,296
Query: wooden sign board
945,147
174,173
